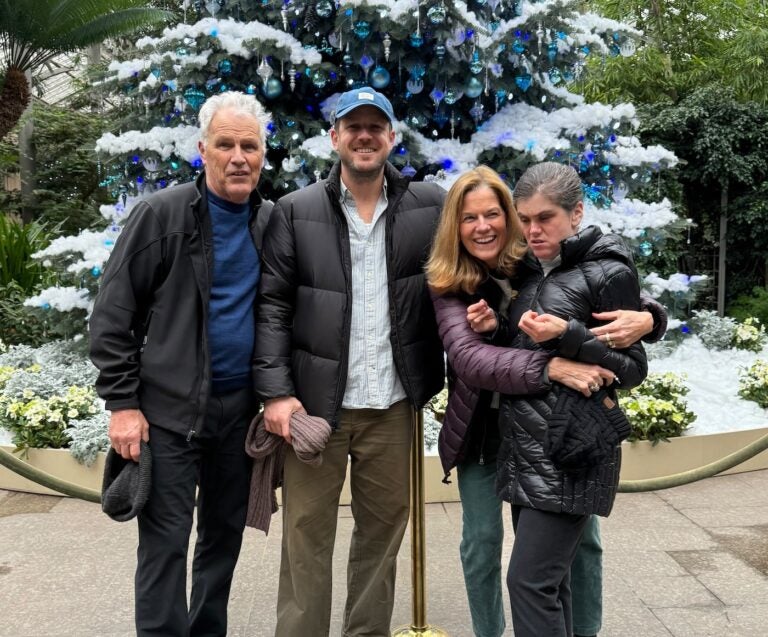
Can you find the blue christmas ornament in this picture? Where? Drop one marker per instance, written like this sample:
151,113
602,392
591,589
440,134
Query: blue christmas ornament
452,96
476,64
194,97
379,77
95,270
417,71
250,89
473,88
408,170
182,52
224,87
366,61
274,142
324,8
555,77
415,86
319,78
362,29
440,51
416,40
225,66
552,51
437,13
523,81
518,47
645,248
273,88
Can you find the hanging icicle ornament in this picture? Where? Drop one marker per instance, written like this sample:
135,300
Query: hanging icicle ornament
477,112
539,37
292,77
475,63
284,16
264,71
416,38
440,51
437,96
387,41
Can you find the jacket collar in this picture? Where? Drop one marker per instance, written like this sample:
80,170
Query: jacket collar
396,182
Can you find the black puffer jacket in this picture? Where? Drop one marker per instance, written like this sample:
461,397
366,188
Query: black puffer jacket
596,275
305,295
149,325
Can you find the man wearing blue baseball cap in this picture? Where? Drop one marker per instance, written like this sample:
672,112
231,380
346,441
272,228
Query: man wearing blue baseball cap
345,330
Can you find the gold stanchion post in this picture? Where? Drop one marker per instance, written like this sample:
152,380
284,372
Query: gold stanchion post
419,624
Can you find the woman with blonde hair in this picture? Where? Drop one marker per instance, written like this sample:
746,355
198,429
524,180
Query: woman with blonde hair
477,250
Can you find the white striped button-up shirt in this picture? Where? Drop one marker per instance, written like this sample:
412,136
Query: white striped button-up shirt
372,380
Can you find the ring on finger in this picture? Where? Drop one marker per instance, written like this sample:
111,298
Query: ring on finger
594,387
609,341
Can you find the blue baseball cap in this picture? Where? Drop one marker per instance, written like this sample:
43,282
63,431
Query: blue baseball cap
365,96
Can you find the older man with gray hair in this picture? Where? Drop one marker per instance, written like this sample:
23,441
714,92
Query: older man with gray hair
172,331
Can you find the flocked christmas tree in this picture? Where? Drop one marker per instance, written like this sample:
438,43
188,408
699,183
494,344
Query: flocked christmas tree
487,81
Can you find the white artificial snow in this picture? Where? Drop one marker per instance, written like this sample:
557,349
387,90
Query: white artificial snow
713,379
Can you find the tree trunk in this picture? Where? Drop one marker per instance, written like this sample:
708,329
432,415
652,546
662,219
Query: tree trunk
27,169
14,99
722,250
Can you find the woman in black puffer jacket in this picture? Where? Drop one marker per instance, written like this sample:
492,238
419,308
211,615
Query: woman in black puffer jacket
566,276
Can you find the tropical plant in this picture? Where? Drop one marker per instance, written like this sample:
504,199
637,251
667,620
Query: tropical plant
17,244
34,32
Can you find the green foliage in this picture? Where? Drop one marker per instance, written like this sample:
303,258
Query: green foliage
720,333
657,409
67,177
689,44
34,32
18,323
755,304
17,244
753,383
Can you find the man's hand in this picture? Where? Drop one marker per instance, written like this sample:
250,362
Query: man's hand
277,415
481,317
625,328
542,327
583,377
127,428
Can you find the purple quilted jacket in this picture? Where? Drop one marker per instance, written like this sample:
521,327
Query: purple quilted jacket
473,365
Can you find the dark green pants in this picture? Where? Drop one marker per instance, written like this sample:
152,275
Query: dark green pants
481,545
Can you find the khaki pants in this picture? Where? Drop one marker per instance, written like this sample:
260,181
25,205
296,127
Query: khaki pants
378,442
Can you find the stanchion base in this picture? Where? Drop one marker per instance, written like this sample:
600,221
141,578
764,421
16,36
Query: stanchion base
427,631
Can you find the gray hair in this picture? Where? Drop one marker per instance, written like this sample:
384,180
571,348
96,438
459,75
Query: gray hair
241,103
557,182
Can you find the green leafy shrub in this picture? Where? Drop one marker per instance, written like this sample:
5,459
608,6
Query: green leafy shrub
17,244
755,304
718,332
753,383
657,409
44,393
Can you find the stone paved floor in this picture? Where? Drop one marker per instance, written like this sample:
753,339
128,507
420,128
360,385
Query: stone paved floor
686,562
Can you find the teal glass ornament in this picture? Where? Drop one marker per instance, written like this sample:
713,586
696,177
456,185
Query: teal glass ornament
417,71
225,66
95,270
476,64
416,40
319,78
555,76
552,51
379,77
273,88
250,89
473,88
524,81
273,141
223,87
437,14
182,52
362,29
452,96
194,97
324,8
175,164
645,248
518,47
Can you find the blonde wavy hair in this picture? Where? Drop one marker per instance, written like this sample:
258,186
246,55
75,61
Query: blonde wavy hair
450,267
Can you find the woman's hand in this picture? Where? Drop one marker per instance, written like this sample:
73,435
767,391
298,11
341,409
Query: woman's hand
542,327
625,328
481,317
583,377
